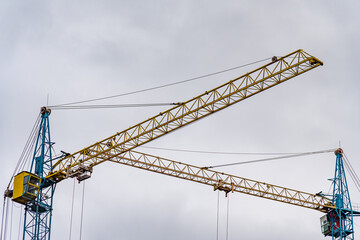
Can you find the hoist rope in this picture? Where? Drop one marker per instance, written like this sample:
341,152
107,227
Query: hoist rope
11,218
160,86
82,209
131,105
227,217
20,221
72,209
217,215
4,219
271,159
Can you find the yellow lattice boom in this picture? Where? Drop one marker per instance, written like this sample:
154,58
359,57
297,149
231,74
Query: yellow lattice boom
236,90
222,181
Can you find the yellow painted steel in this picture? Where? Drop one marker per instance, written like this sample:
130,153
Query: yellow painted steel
238,89
221,181
26,187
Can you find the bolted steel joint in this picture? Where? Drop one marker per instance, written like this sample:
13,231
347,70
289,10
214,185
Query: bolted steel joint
44,110
339,151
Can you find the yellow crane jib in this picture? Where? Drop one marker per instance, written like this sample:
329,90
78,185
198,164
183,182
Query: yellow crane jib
277,71
222,181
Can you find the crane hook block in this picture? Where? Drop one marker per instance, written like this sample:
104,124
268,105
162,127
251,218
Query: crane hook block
26,187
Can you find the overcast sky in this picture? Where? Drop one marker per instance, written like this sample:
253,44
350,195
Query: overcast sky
55,52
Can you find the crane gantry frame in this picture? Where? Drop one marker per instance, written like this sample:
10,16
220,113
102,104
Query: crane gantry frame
119,148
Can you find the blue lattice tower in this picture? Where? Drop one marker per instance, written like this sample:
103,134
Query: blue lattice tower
341,218
38,212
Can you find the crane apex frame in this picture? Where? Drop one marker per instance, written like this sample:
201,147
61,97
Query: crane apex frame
338,222
35,189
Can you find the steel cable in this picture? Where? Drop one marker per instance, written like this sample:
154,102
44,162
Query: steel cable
352,172
216,152
11,219
110,106
352,176
72,209
160,86
217,215
26,151
227,217
82,209
20,221
2,219
270,159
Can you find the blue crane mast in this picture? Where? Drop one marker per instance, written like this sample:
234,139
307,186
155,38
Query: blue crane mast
33,190
338,222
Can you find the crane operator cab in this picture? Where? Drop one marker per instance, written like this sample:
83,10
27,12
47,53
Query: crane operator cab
331,225
26,187
325,225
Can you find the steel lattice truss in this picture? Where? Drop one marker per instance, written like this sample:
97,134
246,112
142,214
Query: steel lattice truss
236,90
221,181
37,219
343,214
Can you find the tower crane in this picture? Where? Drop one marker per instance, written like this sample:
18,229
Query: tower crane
35,188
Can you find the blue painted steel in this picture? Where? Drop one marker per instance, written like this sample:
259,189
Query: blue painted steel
341,218
38,213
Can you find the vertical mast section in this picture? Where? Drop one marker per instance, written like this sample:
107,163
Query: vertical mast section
38,212
341,218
